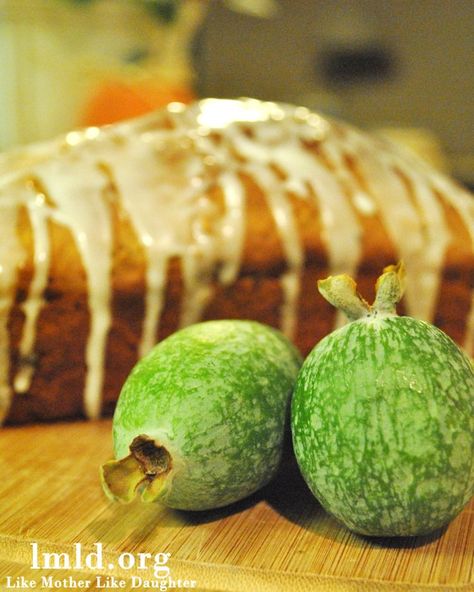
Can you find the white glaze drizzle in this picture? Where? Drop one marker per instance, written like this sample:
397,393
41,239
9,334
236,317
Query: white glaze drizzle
463,203
11,257
435,234
38,215
233,226
279,146
140,170
398,214
164,167
82,209
292,248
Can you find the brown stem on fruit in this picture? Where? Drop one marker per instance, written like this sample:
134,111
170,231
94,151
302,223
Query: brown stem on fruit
341,292
154,459
143,471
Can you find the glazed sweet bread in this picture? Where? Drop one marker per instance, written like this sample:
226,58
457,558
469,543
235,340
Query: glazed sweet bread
114,237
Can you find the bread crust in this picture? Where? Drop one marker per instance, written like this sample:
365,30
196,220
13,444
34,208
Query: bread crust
257,291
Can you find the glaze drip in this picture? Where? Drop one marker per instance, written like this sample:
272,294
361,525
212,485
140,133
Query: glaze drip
38,215
10,261
165,169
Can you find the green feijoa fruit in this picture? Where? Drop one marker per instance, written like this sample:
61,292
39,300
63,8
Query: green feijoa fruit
200,421
383,417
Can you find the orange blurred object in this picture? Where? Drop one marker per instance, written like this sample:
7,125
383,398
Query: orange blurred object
116,100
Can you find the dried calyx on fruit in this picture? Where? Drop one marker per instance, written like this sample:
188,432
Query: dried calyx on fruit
144,471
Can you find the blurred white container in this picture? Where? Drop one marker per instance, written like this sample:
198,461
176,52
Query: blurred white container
56,54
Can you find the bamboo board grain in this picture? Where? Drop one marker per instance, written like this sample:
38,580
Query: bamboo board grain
278,540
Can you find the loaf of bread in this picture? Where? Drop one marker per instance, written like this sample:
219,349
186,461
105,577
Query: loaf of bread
112,238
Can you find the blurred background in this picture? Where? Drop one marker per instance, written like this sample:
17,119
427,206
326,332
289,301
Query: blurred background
403,68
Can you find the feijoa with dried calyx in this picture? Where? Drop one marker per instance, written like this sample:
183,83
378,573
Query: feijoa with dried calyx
200,421
383,416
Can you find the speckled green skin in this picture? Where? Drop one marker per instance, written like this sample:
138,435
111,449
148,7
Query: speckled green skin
216,395
383,426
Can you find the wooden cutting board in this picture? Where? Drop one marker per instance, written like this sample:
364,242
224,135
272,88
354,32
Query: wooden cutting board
278,540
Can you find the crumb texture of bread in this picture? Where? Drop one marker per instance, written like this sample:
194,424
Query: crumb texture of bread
114,237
